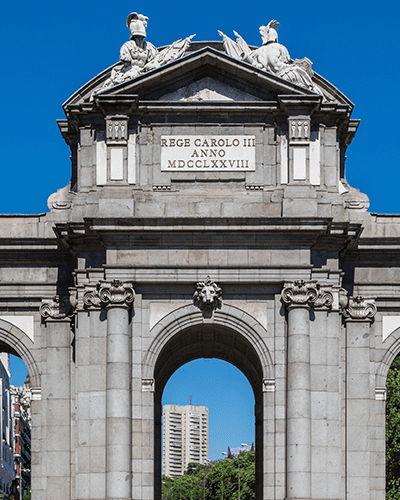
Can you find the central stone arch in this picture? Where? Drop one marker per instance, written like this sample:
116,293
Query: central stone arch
231,335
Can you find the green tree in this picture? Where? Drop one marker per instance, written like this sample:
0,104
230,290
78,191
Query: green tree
393,432
220,480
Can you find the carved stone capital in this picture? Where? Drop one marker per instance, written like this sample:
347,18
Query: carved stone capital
148,385
324,299
268,385
57,308
380,393
208,295
116,293
91,299
360,308
300,293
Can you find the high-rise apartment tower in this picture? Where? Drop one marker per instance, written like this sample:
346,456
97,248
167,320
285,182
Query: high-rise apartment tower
185,437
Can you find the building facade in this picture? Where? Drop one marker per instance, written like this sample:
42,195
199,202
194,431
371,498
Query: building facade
21,424
7,475
208,215
185,437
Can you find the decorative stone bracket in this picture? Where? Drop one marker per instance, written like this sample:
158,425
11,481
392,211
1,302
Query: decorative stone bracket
360,309
306,294
208,295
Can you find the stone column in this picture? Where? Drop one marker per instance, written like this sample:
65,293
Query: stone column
118,298
359,397
299,297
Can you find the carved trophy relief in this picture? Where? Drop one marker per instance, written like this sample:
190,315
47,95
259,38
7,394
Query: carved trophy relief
208,295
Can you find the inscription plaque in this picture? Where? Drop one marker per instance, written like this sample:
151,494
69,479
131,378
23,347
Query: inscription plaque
190,153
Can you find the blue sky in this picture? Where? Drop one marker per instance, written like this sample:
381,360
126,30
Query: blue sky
48,50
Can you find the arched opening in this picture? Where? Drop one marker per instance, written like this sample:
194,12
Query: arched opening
208,415
210,341
393,431
20,389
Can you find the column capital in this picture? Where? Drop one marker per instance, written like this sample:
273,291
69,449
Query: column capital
59,307
306,294
360,309
116,293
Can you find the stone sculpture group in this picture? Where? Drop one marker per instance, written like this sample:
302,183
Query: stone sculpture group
138,56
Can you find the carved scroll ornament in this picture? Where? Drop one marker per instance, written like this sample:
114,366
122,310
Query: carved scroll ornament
360,308
208,295
57,307
91,297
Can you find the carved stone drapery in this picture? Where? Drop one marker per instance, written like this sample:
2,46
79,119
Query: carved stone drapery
116,293
360,308
208,294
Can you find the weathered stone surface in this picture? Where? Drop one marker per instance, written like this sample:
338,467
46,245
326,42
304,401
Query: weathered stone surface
100,353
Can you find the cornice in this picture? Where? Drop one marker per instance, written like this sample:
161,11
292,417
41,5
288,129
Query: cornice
314,233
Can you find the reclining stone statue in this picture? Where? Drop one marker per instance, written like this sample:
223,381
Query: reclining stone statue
272,57
139,56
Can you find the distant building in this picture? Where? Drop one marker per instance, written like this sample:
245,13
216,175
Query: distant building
6,448
21,418
185,437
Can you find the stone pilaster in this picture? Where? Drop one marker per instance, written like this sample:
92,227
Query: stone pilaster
360,396
56,398
299,297
118,298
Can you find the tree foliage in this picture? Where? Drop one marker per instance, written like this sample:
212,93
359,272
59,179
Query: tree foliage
220,480
393,432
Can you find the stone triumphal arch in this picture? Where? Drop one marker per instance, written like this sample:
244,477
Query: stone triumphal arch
208,215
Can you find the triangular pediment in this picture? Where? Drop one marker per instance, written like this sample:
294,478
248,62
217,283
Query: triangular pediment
206,74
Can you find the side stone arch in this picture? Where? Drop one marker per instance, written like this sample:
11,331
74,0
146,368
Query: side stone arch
390,354
15,341
229,317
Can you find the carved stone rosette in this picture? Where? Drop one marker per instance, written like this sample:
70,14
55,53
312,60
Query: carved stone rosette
208,294
116,293
56,308
300,293
360,308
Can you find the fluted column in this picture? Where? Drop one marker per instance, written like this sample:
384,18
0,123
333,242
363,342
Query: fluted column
299,297
118,298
